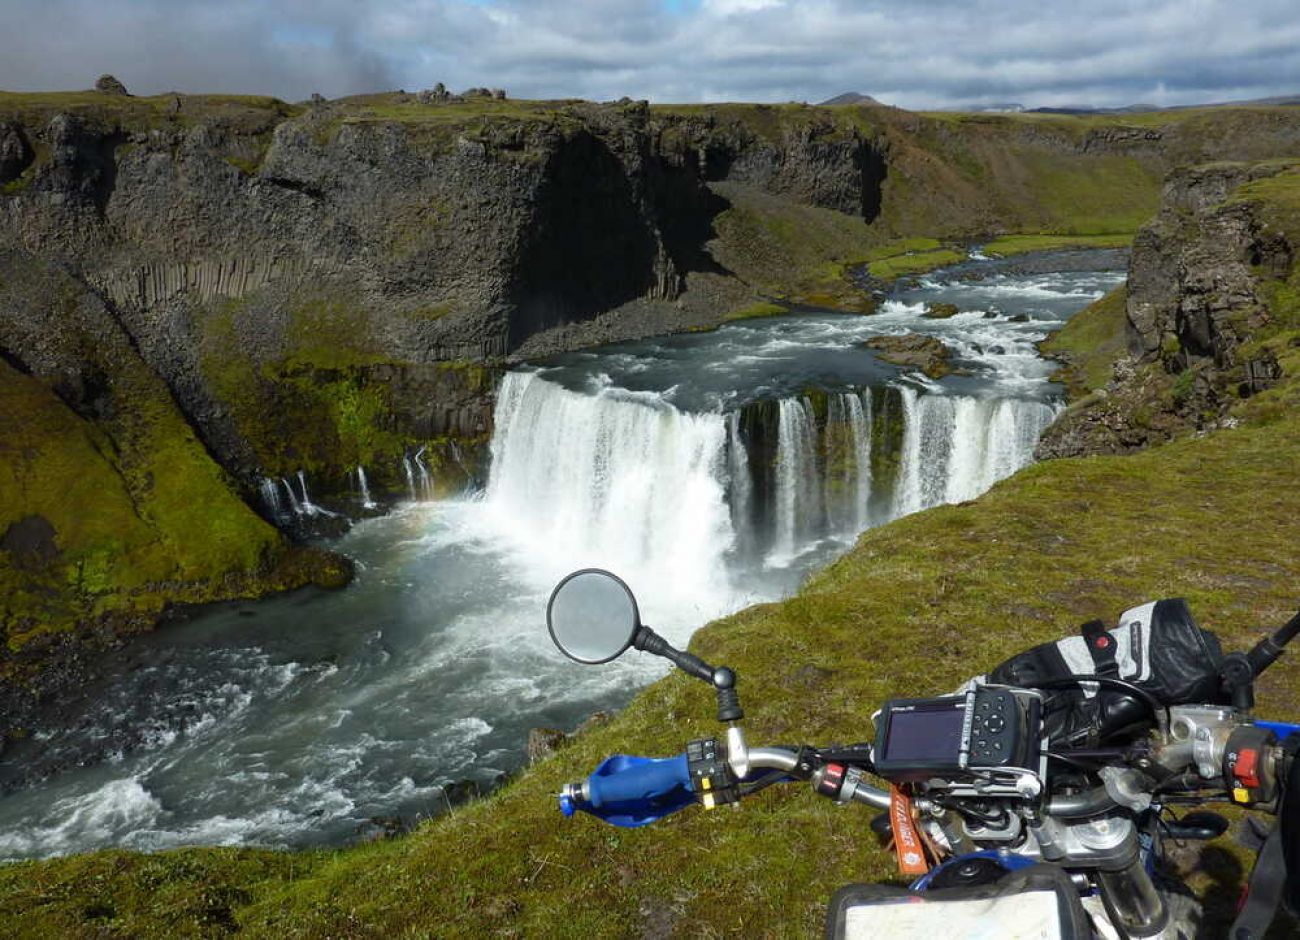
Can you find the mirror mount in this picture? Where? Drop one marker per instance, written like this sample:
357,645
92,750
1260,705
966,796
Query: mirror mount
721,678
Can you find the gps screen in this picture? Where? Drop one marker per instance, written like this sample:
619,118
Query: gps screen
925,734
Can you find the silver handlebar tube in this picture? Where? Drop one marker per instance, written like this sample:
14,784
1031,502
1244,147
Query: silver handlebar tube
777,758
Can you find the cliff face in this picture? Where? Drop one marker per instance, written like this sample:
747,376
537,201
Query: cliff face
1211,313
218,289
264,260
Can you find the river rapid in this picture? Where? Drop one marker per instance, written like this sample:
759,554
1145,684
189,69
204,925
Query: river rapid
710,470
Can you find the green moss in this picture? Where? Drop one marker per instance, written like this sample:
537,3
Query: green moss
1093,194
141,515
791,252
436,312
1028,562
247,166
761,308
1007,245
242,112
917,262
1090,343
1182,386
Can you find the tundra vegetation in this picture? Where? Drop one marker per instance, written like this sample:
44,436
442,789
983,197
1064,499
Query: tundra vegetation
166,399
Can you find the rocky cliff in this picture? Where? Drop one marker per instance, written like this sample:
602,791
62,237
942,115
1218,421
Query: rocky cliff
1210,319
210,291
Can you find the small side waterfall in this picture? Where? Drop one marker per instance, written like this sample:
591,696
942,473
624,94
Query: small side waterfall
419,481
285,507
271,499
294,503
363,486
626,480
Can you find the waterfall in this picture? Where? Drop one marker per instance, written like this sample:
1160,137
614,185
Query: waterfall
797,480
294,504
625,480
846,481
615,481
410,477
364,487
955,448
299,505
308,506
425,481
739,484
271,499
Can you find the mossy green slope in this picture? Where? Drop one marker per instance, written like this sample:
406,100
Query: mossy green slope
1090,343
914,608
110,506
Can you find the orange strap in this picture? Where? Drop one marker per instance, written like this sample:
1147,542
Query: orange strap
907,841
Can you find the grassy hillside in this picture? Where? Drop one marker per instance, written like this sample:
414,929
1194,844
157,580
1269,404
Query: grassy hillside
111,507
1090,343
914,608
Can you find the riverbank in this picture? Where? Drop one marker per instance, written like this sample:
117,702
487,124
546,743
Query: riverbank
759,451
936,596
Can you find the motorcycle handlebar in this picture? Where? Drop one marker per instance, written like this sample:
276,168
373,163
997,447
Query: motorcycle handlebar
631,791
1264,653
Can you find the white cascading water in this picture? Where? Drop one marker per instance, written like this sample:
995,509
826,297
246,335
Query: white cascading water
271,498
294,503
612,481
364,486
626,481
798,480
955,448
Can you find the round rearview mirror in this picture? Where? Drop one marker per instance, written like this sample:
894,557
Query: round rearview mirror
592,616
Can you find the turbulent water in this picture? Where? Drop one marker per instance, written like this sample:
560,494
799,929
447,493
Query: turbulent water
711,470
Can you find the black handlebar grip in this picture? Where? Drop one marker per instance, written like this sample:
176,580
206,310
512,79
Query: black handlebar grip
1266,651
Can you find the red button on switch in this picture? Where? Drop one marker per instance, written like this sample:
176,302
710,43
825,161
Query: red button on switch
1246,768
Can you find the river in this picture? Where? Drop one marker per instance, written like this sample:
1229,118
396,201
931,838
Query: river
710,470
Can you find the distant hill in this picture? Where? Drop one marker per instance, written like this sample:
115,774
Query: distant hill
850,97
1010,107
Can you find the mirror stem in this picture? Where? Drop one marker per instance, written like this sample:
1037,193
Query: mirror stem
651,642
722,679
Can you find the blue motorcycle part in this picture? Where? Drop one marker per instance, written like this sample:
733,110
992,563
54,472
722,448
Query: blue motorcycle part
1282,729
634,791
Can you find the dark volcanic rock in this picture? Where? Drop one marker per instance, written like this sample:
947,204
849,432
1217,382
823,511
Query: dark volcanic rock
110,85
937,310
1193,303
914,351
15,153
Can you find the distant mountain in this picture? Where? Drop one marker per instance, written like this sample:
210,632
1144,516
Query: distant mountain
850,97
1001,107
1276,101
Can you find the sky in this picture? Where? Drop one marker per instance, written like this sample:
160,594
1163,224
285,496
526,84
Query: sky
917,54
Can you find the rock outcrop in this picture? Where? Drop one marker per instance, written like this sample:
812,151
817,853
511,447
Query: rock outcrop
335,284
110,85
914,351
1208,310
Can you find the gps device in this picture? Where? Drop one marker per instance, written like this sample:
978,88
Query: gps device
956,735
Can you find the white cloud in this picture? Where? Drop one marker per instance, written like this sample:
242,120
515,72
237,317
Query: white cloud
931,54
733,7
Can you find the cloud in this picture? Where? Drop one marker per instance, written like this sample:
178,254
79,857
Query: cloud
942,53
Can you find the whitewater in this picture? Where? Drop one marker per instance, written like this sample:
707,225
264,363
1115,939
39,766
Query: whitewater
710,470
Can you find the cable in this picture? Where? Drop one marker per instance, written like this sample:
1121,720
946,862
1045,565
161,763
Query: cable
1081,763
1146,697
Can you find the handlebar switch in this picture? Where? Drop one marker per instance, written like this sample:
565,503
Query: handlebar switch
1248,765
711,776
